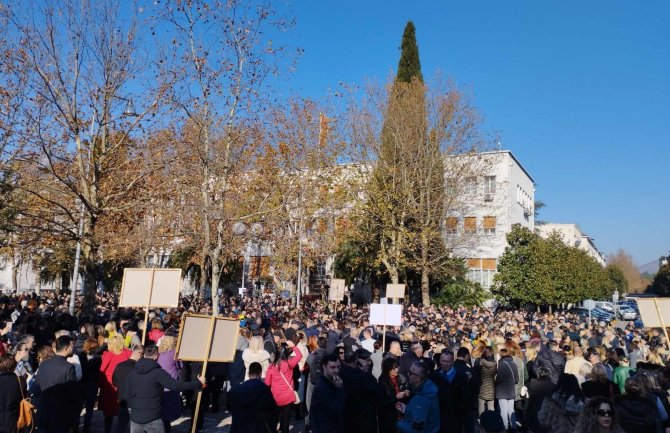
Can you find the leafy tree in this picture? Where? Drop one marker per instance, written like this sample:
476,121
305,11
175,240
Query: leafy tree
516,280
661,282
409,66
624,261
617,278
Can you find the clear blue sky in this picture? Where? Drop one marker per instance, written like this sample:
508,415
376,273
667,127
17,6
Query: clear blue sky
578,90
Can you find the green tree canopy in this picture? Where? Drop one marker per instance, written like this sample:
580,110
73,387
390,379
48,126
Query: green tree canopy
409,65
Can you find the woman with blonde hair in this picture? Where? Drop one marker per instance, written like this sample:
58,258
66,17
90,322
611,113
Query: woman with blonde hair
156,330
171,399
256,353
110,329
115,354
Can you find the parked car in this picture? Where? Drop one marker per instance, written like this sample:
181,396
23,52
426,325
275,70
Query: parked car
626,313
581,312
605,305
602,315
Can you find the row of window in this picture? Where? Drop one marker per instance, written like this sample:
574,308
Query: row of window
470,185
470,226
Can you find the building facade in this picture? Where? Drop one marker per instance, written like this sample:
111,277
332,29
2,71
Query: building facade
499,194
572,235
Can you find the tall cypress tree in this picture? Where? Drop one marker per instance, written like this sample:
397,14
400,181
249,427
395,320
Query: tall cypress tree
409,65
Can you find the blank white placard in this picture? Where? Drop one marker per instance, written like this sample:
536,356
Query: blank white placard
386,314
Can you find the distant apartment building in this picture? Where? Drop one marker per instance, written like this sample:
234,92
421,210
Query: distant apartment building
572,235
501,194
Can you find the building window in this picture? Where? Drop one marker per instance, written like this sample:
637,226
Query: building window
452,225
489,185
471,185
489,225
470,225
481,271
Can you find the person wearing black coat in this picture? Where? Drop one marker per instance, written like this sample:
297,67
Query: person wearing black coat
328,400
363,394
144,392
56,384
10,394
551,358
251,404
538,389
413,355
454,395
505,388
637,411
119,378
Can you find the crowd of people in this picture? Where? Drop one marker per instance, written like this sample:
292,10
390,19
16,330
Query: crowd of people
443,370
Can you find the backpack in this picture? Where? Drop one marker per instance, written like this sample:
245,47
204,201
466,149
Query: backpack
26,410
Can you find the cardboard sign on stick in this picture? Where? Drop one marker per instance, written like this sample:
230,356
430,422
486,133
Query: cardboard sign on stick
336,291
194,339
395,290
150,287
386,314
650,314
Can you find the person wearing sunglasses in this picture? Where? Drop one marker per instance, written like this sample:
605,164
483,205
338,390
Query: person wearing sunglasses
598,416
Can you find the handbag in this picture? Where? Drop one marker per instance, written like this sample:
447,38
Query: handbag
26,410
295,393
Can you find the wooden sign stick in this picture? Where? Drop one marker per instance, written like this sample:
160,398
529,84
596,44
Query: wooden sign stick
660,318
203,373
146,312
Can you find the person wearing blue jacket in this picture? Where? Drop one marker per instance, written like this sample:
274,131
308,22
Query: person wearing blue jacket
422,413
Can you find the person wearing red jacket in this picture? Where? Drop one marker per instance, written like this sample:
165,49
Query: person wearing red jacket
279,378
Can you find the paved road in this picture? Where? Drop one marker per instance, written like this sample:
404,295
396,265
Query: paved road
214,423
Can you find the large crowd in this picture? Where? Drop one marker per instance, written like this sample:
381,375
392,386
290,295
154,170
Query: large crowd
443,370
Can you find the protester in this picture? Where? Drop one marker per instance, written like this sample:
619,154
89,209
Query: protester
598,385
487,369
538,389
90,367
144,392
119,377
10,394
453,394
505,388
280,380
115,354
251,404
395,388
56,383
166,359
328,399
256,353
422,413
598,416
561,409
637,411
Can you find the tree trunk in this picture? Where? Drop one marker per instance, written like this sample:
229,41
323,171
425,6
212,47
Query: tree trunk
216,275
425,275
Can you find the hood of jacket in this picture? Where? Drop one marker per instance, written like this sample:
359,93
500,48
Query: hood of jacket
573,404
146,365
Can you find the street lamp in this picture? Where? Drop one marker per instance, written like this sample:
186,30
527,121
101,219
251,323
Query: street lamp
240,229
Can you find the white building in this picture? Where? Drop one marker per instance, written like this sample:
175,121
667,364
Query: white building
572,235
501,194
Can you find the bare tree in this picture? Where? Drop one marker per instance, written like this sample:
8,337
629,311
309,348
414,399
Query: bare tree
221,57
88,92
